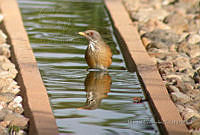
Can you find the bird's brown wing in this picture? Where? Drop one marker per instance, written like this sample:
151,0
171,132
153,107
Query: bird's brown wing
107,56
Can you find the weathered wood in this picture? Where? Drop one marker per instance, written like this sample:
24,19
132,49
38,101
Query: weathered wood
164,109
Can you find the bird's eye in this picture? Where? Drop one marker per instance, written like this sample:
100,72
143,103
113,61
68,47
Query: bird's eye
90,34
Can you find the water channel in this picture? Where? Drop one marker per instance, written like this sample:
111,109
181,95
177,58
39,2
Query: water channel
84,103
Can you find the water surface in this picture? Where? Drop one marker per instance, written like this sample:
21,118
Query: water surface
84,103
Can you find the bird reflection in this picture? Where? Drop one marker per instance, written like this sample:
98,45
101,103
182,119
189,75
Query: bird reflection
97,86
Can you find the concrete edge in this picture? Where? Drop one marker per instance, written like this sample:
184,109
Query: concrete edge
166,113
35,99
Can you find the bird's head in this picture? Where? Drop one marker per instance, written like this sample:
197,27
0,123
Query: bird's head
91,35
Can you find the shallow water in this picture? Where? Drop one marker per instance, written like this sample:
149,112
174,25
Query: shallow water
84,103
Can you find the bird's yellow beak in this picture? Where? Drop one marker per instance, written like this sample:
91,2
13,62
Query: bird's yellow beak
81,33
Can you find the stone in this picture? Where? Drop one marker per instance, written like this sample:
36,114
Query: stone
157,53
168,2
16,104
3,37
6,97
194,51
181,108
162,38
188,113
4,59
180,97
145,41
132,5
153,24
4,50
181,64
194,132
177,22
144,14
7,70
2,105
183,37
172,88
3,131
173,78
193,122
193,38
3,113
195,62
183,47
196,77
165,68
17,120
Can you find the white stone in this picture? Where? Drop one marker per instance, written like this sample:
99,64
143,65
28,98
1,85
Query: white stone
193,38
180,97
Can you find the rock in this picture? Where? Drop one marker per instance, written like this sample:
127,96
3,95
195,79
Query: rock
165,68
8,86
196,77
16,105
172,79
2,105
193,38
3,113
157,53
144,14
145,41
194,26
180,97
17,120
194,51
188,113
181,64
183,47
168,2
6,97
3,37
180,108
183,37
131,5
153,24
4,59
172,88
162,38
195,62
177,22
7,70
4,50
3,131
193,122
194,132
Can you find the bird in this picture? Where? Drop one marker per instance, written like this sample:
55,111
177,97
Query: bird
98,54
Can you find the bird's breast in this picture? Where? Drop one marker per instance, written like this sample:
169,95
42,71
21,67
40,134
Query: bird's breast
93,46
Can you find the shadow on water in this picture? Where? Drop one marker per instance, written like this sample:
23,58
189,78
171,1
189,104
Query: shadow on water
84,103
97,87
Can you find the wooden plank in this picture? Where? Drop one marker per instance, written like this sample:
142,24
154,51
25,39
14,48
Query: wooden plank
165,111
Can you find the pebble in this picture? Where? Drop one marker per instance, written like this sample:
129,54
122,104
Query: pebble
172,38
177,22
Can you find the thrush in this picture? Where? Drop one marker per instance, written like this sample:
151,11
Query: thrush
98,54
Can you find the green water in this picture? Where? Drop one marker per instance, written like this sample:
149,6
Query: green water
84,103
